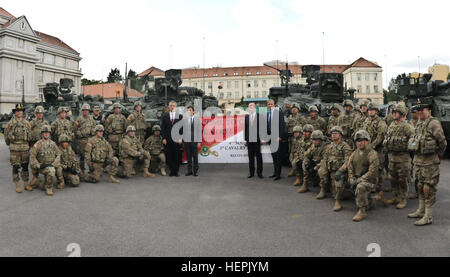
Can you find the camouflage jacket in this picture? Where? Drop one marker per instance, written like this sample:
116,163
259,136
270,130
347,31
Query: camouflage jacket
62,127
138,121
432,142
18,134
314,155
358,123
45,152
154,145
377,129
345,121
293,121
115,124
396,141
69,159
336,155
97,150
85,127
363,166
413,122
319,123
389,119
332,122
130,148
36,127
296,154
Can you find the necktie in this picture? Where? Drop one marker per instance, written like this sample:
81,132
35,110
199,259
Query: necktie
173,118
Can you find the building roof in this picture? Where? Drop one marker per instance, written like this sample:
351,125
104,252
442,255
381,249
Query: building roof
5,12
11,21
108,91
54,41
152,71
361,62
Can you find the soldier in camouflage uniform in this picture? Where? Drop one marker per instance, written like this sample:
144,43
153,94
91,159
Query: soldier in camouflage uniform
17,137
69,170
36,125
390,116
296,155
97,116
115,126
429,145
155,147
345,121
131,151
45,157
85,129
312,161
376,127
414,121
362,169
359,120
336,155
315,120
334,118
396,144
295,119
137,119
98,155
62,126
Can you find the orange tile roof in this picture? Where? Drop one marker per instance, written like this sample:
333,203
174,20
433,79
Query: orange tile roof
152,71
108,91
54,41
5,12
361,62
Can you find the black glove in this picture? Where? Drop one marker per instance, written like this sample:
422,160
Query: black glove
338,176
43,166
310,167
73,171
91,168
69,169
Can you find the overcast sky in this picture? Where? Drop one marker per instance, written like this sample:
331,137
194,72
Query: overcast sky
170,34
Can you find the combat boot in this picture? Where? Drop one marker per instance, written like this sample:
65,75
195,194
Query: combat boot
402,204
27,186
298,182
337,206
393,201
61,185
148,174
49,192
133,171
304,188
18,188
113,180
361,215
380,197
163,172
291,173
420,211
33,182
427,219
322,194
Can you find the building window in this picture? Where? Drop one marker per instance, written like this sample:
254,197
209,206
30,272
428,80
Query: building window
225,74
368,89
359,76
195,85
215,75
360,89
210,85
258,73
256,94
228,84
249,73
375,89
64,62
236,74
264,83
40,75
236,84
367,77
229,95
249,94
21,43
375,77
221,95
269,72
236,95
52,59
206,75
41,57
256,83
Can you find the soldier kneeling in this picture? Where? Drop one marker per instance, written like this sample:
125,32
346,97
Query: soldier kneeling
155,147
99,154
69,170
131,151
45,158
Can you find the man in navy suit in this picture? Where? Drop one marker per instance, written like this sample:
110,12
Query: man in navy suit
253,142
275,130
172,148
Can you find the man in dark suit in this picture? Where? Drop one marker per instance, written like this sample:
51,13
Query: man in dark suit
192,136
253,142
275,130
172,148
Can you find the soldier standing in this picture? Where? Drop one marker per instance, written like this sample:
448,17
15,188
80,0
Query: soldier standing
334,118
396,143
36,125
312,159
390,116
62,126
362,168
98,155
429,145
359,120
336,155
315,120
296,156
295,119
155,147
97,116
17,137
376,127
115,127
137,119
69,170
345,121
130,151
85,129
414,121
45,157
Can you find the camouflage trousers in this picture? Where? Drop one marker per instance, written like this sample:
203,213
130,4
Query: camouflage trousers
399,174
381,171
298,168
311,177
82,143
140,134
96,175
162,159
20,160
49,176
362,193
129,164
428,179
337,187
114,140
68,178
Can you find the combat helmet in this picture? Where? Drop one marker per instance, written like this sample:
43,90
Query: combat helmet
131,129
313,109
116,105
46,129
317,135
364,102
61,110
372,106
64,138
336,106
39,109
362,135
401,109
349,103
156,128
308,128
86,107
137,103
96,108
337,129
298,129
99,128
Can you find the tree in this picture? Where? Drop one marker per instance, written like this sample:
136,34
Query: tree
134,81
87,82
114,75
390,96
